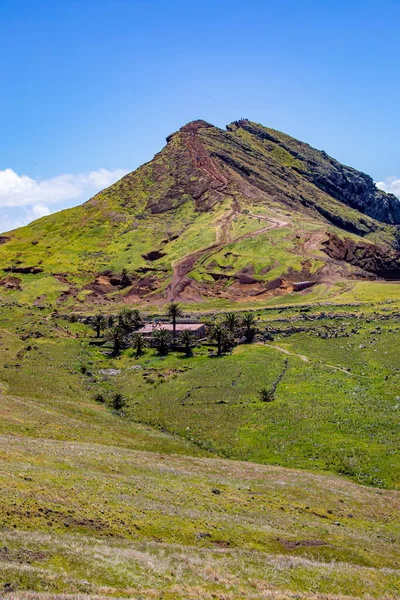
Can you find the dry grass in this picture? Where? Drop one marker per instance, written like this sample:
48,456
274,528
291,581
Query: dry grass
197,594
142,525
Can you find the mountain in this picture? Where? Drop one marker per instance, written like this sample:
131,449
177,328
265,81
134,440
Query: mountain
236,214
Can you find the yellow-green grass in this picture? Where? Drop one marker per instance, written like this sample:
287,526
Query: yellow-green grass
214,403
92,518
141,505
371,291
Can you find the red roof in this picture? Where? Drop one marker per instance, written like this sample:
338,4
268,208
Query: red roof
150,327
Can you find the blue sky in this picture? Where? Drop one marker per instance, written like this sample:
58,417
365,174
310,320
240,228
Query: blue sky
91,88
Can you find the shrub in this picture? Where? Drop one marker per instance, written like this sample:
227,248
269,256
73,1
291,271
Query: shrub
118,401
266,395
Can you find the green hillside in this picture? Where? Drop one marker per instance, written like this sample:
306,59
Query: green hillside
231,215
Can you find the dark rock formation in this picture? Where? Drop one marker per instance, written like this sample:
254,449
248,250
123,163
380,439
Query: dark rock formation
352,187
381,261
153,255
25,270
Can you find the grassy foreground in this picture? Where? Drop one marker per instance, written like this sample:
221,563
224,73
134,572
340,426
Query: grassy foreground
93,519
150,504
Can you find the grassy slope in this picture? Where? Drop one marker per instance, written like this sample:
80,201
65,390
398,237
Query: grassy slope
99,519
83,487
214,403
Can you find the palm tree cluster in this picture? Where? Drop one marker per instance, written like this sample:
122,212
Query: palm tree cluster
162,338
120,329
230,328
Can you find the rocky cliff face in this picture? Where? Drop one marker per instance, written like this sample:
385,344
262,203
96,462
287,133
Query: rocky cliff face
354,188
378,260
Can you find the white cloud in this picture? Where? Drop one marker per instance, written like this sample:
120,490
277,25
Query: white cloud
390,185
40,210
23,199
22,190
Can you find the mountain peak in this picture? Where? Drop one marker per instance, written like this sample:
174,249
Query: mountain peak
246,211
191,127
195,125
238,124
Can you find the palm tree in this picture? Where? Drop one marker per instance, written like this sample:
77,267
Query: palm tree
231,321
130,319
124,318
138,344
162,340
174,312
187,339
98,323
221,335
116,335
248,322
136,318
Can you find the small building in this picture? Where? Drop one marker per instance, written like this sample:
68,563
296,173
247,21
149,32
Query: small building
198,329
302,285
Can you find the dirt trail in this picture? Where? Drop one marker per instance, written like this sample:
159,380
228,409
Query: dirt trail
274,223
183,266
301,356
307,359
202,160
222,231
279,222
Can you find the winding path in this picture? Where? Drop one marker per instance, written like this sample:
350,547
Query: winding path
183,266
307,359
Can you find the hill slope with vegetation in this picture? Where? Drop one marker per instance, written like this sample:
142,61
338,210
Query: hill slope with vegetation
225,216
